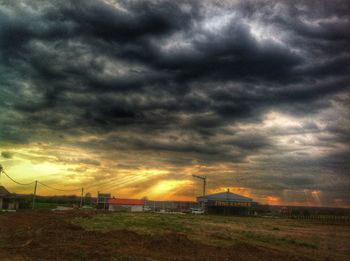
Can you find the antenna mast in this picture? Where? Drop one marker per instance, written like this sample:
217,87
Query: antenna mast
204,181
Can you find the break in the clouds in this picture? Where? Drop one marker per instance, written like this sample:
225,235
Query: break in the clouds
134,97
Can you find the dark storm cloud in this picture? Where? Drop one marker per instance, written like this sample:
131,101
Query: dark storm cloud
177,77
65,47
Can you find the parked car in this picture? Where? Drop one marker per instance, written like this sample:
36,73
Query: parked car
62,208
147,209
87,207
197,211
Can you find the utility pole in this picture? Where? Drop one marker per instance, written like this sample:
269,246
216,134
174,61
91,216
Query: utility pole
204,181
34,195
81,198
1,169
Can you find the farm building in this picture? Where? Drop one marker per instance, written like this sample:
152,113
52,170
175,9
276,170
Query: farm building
171,206
225,203
7,200
130,205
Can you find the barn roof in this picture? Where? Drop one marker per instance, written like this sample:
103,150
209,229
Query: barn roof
4,192
121,201
225,196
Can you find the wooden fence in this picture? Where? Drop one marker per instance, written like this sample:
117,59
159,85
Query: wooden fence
329,219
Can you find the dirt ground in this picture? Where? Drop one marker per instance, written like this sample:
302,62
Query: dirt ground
45,235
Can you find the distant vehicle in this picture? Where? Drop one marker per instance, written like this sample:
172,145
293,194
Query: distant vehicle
8,210
62,208
87,207
197,211
147,209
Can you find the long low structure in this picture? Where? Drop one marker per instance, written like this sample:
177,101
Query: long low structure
130,205
225,203
170,206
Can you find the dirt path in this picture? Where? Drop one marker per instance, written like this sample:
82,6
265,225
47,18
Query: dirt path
43,235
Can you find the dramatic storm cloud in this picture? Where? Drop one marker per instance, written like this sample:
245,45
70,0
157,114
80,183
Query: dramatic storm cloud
133,97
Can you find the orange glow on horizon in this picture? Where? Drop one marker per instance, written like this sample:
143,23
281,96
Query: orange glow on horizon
271,200
167,189
65,167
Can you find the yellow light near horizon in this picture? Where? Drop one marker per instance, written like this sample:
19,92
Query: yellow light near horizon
46,168
27,170
151,172
167,187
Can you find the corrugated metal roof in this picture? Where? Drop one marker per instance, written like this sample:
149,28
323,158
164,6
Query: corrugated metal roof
226,196
120,201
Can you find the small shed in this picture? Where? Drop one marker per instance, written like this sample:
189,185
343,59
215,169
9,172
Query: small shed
131,205
7,200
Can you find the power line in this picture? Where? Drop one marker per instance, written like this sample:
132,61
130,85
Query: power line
57,188
31,183
117,184
43,184
101,183
19,183
114,182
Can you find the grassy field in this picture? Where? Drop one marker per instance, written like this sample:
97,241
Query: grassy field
40,205
304,238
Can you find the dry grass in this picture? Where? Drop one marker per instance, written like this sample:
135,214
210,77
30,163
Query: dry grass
309,239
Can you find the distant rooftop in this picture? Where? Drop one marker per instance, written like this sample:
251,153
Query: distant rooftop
122,201
226,196
4,192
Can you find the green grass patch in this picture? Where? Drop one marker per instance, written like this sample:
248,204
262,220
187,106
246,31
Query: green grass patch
292,236
142,223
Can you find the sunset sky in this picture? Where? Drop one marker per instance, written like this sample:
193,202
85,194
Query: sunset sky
133,97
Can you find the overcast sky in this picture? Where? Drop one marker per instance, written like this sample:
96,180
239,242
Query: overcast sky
133,97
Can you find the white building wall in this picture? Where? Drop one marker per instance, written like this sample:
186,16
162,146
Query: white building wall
132,208
136,208
12,205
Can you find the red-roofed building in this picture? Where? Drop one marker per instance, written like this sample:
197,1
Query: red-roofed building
119,204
